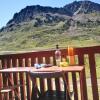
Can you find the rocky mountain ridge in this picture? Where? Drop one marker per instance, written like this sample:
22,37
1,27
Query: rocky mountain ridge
30,12
82,7
43,15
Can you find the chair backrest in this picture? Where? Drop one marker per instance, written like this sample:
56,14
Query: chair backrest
51,74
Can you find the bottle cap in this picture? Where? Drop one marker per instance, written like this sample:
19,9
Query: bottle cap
57,46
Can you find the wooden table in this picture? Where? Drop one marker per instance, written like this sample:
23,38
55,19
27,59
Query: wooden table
71,69
53,68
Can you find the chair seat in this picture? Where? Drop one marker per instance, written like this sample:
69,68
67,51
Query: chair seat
5,90
8,89
53,95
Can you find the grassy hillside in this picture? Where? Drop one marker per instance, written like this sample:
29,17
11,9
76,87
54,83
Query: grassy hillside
82,30
27,37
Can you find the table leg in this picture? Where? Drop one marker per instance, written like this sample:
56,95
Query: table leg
81,85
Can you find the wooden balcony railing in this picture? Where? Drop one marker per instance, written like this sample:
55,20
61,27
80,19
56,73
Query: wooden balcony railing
28,59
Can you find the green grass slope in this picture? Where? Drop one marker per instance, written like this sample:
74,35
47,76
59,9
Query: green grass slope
28,37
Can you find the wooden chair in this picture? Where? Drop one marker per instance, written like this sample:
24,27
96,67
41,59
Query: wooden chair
51,94
8,89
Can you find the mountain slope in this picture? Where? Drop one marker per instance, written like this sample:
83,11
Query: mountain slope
42,27
42,15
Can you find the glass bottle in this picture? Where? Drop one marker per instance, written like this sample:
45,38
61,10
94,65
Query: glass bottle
57,55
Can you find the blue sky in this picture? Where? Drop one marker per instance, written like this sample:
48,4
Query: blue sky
9,7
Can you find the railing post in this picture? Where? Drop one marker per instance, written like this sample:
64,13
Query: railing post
81,62
93,76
